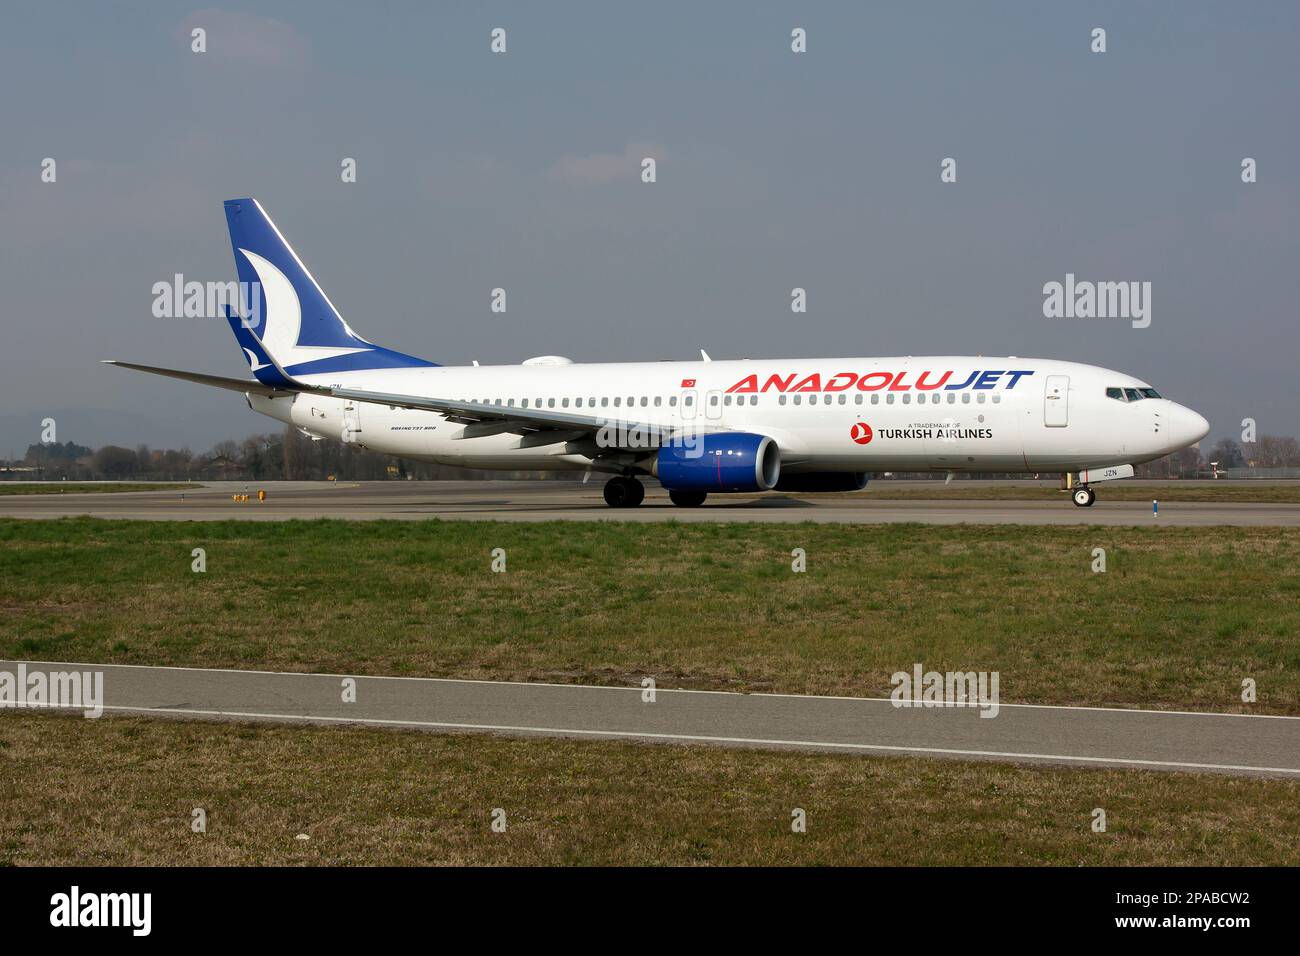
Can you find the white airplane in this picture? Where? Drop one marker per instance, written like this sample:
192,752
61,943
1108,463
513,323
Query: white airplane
697,427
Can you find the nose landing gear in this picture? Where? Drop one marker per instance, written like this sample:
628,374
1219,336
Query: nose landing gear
1084,496
624,492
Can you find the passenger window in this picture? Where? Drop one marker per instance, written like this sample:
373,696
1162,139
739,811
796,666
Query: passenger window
564,402
889,399
578,403
980,399
952,397
618,400
781,400
753,399
907,398
644,401
525,403
604,401
550,403
658,400
672,400
726,400
843,399
965,398
713,399
997,399
690,399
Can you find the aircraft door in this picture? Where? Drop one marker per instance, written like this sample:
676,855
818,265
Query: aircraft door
713,404
1056,401
688,404
351,423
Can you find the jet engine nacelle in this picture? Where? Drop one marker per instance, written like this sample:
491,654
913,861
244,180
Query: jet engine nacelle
824,481
727,461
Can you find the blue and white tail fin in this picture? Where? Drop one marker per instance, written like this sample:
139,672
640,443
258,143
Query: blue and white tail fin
287,315
260,363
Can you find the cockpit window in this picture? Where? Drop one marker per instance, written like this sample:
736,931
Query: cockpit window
1132,394
1115,393
1149,392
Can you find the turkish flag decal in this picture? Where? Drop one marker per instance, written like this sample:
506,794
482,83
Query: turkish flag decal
688,383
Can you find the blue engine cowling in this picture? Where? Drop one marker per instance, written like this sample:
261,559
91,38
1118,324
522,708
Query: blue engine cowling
727,461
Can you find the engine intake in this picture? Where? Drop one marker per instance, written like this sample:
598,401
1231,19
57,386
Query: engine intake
727,461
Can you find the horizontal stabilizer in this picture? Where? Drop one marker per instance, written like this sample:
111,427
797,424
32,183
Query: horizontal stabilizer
216,381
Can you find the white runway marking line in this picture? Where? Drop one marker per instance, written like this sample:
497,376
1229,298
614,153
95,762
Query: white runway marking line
699,738
637,689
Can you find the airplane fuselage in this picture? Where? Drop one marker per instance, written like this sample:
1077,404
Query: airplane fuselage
854,415
698,428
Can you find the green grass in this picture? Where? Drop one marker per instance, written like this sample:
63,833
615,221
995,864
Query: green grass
1179,619
86,488
125,790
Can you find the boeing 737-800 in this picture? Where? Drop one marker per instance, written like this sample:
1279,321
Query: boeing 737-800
697,427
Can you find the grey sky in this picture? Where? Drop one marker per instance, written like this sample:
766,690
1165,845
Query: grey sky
776,170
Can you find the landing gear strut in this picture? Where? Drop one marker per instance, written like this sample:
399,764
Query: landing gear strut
624,492
1084,496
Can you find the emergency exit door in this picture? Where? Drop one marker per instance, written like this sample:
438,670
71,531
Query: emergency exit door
1056,401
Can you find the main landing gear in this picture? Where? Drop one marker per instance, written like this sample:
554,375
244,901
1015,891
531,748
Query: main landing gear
1084,496
624,492
627,492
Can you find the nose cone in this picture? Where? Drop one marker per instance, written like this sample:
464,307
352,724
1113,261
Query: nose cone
1186,427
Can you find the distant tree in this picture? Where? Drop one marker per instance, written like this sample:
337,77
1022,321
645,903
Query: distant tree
113,461
38,454
1188,462
1228,454
1276,451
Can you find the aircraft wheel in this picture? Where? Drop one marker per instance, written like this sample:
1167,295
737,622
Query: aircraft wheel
687,499
624,492
637,492
1084,497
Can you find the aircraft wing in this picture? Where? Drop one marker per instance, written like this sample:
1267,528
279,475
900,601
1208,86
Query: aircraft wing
538,426
483,419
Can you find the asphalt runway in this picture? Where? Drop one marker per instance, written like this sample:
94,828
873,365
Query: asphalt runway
573,501
1074,736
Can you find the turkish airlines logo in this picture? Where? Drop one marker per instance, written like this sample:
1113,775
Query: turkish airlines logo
861,433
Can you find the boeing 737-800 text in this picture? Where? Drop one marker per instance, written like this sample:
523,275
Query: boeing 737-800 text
696,427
